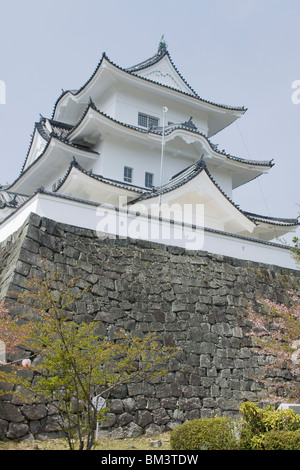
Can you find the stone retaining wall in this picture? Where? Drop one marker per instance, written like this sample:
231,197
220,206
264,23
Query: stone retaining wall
194,300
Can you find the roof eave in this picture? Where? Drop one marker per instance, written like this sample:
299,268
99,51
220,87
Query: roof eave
193,95
54,141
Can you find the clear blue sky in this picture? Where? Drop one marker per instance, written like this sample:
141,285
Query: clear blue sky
236,52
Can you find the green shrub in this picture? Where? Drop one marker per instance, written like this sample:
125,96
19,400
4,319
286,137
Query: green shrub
205,434
280,440
258,423
246,437
260,429
267,419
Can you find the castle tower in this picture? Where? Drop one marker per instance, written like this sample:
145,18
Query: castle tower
137,141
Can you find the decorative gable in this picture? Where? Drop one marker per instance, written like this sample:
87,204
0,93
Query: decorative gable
164,73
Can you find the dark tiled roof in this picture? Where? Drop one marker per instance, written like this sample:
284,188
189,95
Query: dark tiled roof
132,70
185,126
272,220
60,130
11,200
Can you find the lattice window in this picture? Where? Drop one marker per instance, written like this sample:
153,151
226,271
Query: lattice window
128,174
148,180
147,121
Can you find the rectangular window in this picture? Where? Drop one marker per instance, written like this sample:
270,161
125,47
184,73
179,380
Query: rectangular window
149,180
147,121
152,121
127,174
143,120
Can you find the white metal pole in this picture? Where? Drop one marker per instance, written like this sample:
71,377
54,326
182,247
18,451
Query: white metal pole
97,431
165,110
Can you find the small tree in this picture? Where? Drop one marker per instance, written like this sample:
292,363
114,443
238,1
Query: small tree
296,249
13,332
276,332
73,363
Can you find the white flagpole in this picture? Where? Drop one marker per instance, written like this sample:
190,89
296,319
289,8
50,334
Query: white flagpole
165,110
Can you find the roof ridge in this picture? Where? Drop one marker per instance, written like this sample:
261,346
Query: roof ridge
148,62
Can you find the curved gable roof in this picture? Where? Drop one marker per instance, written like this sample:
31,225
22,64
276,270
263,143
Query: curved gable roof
138,71
166,75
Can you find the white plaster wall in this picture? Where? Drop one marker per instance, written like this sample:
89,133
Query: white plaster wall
105,219
116,153
132,101
124,106
107,103
222,177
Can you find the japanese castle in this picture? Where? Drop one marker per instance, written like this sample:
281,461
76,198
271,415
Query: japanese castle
129,155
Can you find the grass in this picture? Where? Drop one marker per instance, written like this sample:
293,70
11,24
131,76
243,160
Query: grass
139,443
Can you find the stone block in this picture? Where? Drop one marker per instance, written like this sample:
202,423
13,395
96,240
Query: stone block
106,317
52,424
205,360
34,412
108,421
116,406
10,413
144,418
3,429
17,430
129,405
189,404
152,430
124,419
133,430
117,433
160,417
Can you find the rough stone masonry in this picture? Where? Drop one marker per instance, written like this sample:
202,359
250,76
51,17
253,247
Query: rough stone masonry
194,300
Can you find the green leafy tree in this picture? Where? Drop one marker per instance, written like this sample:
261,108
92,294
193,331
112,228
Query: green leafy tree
73,364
